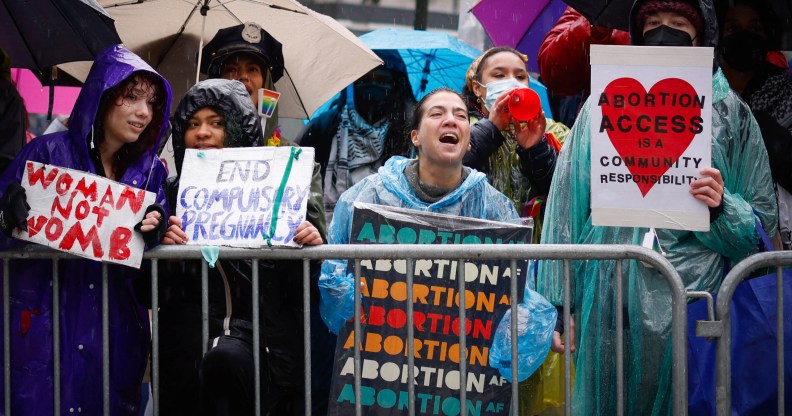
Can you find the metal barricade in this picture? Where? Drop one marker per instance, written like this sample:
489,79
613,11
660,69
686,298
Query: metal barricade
720,328
409,252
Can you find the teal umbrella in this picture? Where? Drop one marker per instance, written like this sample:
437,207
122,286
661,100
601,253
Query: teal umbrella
431,59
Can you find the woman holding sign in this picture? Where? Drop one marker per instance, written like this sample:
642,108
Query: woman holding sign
436,182
217,114
737,188
114,131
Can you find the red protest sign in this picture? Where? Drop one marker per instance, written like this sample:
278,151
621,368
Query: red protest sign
83,214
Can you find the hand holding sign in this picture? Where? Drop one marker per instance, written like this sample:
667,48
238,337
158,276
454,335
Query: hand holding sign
84,214
243,197
708,189
13,209
651,136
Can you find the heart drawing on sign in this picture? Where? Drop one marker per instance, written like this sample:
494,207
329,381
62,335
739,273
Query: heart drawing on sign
650,130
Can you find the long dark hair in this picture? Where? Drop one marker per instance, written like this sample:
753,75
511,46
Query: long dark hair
131,152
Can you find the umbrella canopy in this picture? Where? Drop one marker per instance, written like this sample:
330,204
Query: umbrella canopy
616,14
521,24
321,56
607,13
432,59
52,32
36,96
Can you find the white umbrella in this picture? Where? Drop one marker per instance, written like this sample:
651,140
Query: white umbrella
321,56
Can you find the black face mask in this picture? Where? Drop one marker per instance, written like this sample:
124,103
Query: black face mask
744,50
667,36
373,99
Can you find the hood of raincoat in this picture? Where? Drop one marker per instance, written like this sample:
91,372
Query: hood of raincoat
395,181
228,97
707,9
111,67
474,197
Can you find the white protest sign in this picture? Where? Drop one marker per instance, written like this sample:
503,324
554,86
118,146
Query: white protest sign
84,214
244,197
651,130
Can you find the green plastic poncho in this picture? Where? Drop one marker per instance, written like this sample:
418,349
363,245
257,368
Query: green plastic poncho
739,153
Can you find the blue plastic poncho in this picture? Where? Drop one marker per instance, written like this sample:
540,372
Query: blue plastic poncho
474,198
80,280
739,153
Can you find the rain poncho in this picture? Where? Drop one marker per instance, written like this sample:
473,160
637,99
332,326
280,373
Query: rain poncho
473,198
80,280
699,258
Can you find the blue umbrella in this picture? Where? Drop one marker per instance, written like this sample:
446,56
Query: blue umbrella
542,91
431,59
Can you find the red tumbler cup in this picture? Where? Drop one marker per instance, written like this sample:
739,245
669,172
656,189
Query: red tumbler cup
524,104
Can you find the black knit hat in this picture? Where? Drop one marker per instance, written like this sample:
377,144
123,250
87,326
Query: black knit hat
247,38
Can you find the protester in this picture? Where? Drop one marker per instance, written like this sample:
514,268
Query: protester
116,125
362,128
215,114
252,56
564,54
13,116
436,181
518,158
737,185
748,34
247,53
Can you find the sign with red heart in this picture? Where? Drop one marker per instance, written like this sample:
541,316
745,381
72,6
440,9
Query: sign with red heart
650,135
651,129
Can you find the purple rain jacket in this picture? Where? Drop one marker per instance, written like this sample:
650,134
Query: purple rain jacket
80,280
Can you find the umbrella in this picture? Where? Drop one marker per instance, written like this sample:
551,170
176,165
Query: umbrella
321,56
607,13
432,59
54,31
521,24
616,13
36,95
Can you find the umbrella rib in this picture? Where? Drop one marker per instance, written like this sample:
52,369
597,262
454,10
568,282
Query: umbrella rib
178,34
299,99
127,3
19,30
83,35
273,6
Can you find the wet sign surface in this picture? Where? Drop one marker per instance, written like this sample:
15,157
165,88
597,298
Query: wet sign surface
651,117
436,300
84,214
244,197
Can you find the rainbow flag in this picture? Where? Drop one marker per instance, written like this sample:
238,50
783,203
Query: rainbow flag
267,100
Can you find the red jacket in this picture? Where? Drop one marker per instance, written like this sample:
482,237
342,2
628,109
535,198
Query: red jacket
564,55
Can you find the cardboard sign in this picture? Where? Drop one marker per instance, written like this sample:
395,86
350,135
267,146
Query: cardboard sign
244,197
436,323
84,214
651,133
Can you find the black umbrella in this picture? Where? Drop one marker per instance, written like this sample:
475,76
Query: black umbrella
616,13
607,13
43,33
